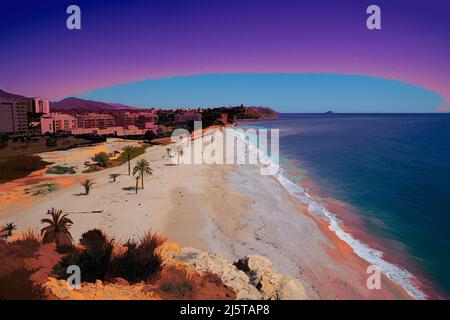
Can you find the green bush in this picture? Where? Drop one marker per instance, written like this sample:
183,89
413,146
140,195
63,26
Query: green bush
102,159
61,170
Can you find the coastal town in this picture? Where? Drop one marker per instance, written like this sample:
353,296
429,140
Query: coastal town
22,116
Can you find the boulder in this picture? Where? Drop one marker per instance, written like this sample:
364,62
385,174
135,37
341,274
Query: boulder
271,285
232,277
291,289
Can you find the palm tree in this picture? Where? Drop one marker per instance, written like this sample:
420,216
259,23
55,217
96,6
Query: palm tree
128,150
142,168
58,229
9,228
87,184
137,183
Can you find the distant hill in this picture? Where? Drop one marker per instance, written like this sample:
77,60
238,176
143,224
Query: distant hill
259,113
8,95
77,103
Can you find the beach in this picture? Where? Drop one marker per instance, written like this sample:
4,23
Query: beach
231,210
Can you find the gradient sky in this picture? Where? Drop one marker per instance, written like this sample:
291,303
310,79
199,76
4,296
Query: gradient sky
121,43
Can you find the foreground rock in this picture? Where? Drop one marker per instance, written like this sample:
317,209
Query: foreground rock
232,277
211,277
271,285
252,277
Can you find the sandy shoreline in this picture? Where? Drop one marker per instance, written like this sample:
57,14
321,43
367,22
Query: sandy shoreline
230,210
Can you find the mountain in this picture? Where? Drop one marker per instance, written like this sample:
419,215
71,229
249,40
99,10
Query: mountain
77,103
8,95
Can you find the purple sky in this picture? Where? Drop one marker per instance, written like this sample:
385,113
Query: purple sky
122,43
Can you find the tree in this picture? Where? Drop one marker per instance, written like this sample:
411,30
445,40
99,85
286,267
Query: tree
9,228
51,141
3,141
149,135
142,168
137,184
102,159
128,150
87,184
114,176
58,229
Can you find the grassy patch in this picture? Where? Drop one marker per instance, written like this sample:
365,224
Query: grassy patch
103,163
136,152
41,189
61,170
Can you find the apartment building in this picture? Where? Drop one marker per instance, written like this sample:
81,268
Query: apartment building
135,118
14,115
40,105
54,122
95,120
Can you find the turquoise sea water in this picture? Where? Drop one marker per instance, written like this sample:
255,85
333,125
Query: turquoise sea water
393,170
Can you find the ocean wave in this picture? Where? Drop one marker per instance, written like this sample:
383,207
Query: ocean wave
396,273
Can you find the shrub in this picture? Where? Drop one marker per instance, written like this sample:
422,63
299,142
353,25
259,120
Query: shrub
136,263
3,141
51,141
61,170
40,189
102,159
16,285
139,262
29,239
30,235
181,286
93,260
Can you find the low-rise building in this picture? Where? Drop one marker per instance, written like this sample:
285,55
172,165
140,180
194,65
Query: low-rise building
47,125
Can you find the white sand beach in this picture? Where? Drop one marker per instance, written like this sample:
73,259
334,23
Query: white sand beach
227,209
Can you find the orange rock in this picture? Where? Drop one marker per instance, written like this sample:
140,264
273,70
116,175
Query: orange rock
168,251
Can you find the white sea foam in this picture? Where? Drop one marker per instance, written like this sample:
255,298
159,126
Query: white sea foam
397,274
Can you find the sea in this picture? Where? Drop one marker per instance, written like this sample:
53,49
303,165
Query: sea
382,181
